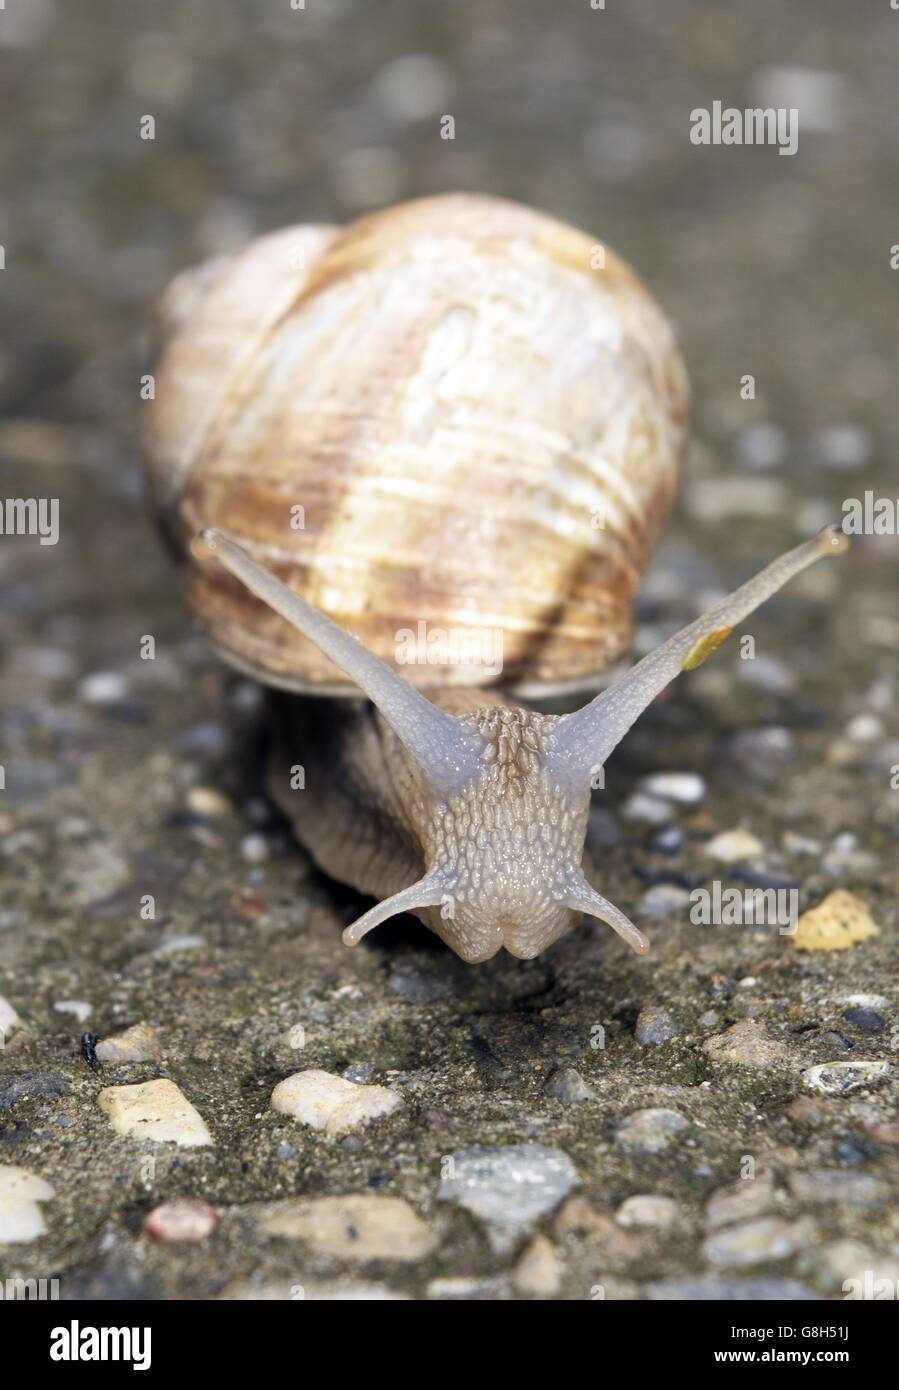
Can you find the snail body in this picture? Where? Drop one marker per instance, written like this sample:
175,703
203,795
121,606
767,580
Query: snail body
451,393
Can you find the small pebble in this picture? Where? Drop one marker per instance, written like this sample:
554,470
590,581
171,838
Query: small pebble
709,1019
713,1288
668,841
863,1001
844,447
662,900
652,809
650,1131
647,1209
734,846
332,1103
172,942
840,1261
568,1086
154,1110
747,1044
9,1019
800,844
78,1007
103,688
538,1273
768,672
137,1044
756,1242
20,1216
762,445
882,1133
840,921
362,1072
866,1019
839,1078
655,1026
29,1086
864,728
507,1187
254,848
741,1201
181,1221
352,1227
833,1185
206,801
686,787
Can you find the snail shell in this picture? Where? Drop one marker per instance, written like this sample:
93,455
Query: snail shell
481,432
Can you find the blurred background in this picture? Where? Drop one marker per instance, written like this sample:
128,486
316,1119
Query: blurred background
266,114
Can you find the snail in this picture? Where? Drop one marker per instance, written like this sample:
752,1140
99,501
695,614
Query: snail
454,415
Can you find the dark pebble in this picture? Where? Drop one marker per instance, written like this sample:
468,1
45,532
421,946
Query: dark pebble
669,840
864,1018
655,1026
40,1083
569,1086
855,1149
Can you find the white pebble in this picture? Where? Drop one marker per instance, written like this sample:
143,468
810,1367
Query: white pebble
206,801
647,1209
842,447
650,1131
358,1226
179,941
538,1272
9,1019
818,95
839,1078
78,1007
647,808
20,1215
864,728
756,1242
103,687
763,445
154,1110
254,848
139,1043
661,900
687,787
731,846
331,1103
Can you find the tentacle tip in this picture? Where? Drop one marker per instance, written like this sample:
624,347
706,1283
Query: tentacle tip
349,936
833,540
206,543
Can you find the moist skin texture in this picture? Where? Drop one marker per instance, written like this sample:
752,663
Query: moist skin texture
504,846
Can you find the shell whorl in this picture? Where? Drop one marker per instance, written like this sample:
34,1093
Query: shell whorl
483,433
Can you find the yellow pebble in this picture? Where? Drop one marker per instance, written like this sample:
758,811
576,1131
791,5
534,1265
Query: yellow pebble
835,924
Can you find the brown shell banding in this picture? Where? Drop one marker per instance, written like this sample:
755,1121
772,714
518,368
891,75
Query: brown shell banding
452,394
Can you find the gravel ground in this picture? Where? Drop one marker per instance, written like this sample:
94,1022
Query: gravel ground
718,1119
